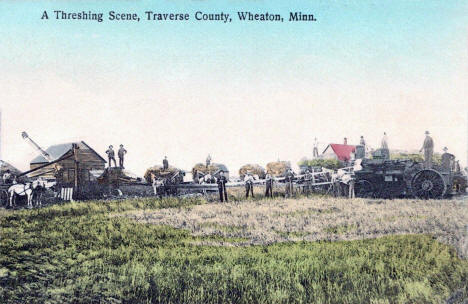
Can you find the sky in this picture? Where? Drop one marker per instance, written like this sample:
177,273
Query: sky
244,92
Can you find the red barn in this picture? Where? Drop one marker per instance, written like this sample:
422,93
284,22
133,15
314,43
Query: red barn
338,151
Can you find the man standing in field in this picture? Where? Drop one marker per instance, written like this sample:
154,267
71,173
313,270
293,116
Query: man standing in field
111,156
165,163
428,147
289,183
248,179
222,180
269,185
121,154
307,182
156,184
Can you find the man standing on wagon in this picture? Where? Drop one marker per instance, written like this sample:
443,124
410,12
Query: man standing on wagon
428,147
111,156
121,154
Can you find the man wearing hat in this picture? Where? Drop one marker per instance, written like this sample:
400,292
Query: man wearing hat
208,160
222,180
121,154
289,178
111,156
428,147
248,179
269,185
315,153
447,160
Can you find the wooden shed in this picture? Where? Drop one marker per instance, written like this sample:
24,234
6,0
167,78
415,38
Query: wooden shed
91,164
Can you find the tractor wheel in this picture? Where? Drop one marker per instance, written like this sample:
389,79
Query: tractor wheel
364,188
428,184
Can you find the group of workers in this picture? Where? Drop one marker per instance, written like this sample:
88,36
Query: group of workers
427,148
447,161
249,183
111,156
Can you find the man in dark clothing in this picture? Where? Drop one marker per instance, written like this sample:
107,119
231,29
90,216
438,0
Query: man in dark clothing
447,160
111,156
248,185
121,154
208,160
307,182
362,142
165,163
269,185
428,147
222,180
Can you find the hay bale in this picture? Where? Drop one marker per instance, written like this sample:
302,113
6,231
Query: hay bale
211,169
278,168
160,173
254,169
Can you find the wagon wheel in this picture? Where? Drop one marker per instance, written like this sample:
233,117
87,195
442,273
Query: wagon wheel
428,184
3,198
364,188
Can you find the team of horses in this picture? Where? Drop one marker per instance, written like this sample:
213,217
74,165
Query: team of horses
31,190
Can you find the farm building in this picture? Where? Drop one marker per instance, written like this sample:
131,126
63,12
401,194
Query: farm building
4,166
340,152
91,164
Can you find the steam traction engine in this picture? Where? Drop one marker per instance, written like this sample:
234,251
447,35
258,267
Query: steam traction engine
386,178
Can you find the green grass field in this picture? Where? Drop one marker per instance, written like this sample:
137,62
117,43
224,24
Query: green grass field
77,253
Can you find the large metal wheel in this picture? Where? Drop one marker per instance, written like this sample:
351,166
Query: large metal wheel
428,184
364,188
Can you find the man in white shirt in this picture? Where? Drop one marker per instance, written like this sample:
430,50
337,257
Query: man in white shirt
248,179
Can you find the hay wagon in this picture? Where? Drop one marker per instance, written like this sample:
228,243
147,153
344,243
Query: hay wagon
385,178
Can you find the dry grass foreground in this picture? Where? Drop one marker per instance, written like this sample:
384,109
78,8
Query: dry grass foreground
311,219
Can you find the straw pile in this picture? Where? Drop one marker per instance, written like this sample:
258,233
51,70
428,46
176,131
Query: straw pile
253,169
278,168
160,172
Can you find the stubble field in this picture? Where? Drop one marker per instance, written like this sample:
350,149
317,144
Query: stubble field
308,250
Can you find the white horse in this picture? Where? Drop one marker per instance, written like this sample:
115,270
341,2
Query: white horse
28,190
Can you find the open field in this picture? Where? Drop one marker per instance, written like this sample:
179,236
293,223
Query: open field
118,252
311,219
